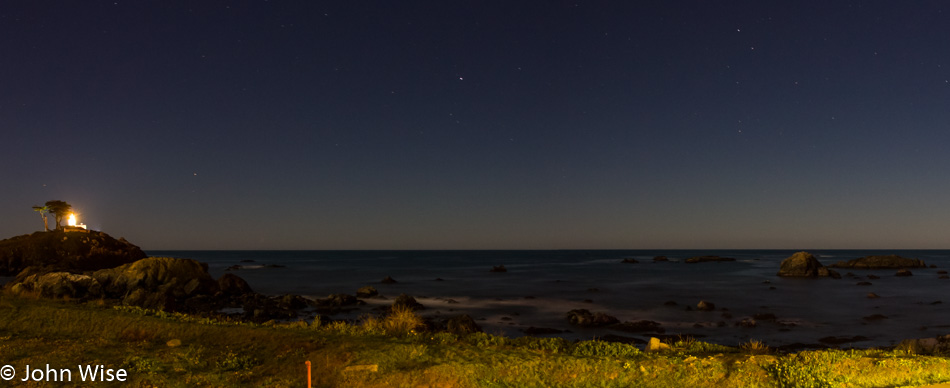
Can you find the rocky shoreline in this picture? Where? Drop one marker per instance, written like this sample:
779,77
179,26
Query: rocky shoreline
69,266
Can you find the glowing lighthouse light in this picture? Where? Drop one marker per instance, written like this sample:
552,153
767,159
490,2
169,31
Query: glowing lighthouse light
72,222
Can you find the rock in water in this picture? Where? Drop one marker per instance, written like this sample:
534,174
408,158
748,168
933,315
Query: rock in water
800,264
366,292
705,306
804,264
584,318
881,262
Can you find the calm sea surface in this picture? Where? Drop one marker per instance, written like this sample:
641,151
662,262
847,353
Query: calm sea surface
541,286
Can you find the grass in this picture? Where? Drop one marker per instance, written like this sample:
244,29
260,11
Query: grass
392,351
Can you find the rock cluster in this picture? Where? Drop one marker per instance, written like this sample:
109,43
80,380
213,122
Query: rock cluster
93,265
881,262
585,318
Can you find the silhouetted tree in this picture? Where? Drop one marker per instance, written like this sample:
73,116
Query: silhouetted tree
43,210
60,210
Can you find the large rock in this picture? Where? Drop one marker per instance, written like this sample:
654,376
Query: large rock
804,264
60,251
58,285
655,345
231,284
880,262
157,282
937,345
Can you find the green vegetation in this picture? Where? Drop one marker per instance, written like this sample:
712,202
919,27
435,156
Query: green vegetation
176,350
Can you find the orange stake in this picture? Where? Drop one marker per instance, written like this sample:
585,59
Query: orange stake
308,374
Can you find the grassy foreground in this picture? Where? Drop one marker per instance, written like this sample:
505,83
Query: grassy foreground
172,350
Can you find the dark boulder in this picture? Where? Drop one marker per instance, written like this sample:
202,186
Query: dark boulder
259,308
462,325
498,268
880,262
936,345
584,318
705,306
630,260
294,302
338,300
408,302
903,272
61,251
366,292
827,272
389,280
657,259
230,284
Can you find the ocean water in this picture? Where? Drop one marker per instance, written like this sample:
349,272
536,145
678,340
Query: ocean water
540,287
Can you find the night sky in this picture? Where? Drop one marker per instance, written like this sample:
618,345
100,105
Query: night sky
480,125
